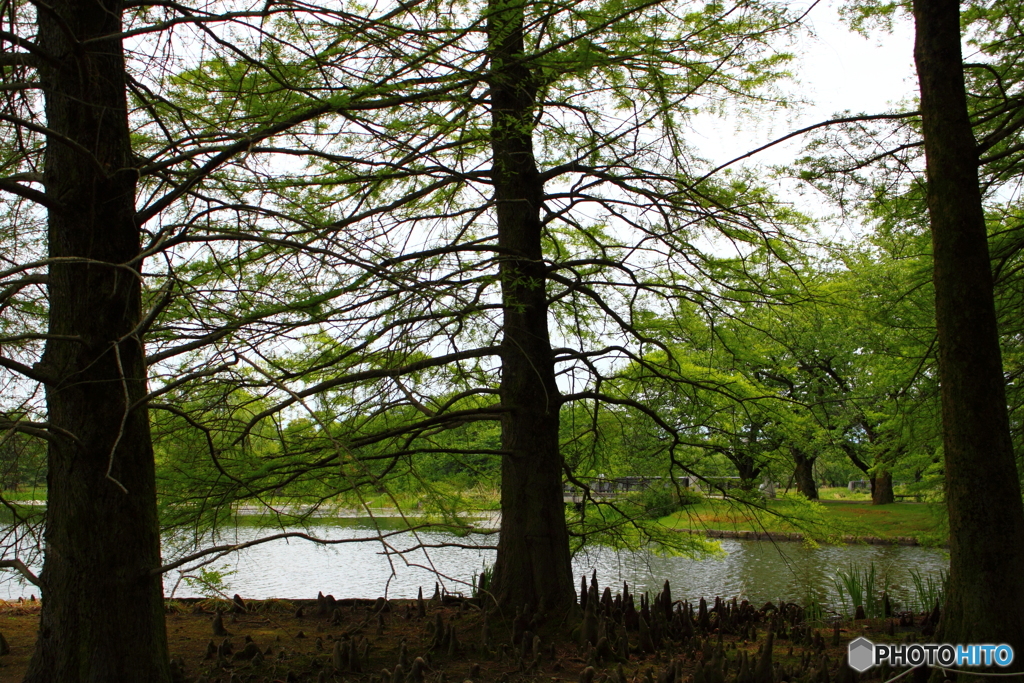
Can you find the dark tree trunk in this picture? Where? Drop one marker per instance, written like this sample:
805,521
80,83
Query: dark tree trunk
743,458
881,481
985,600
881,488
533,563
748,471
804,475
102,618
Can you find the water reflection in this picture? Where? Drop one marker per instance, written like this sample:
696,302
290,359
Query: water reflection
755,570
761,571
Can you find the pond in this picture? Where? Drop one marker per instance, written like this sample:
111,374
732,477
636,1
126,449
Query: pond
755,570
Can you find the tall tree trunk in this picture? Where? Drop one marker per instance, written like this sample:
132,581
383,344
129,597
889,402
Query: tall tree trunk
804,475
742,456
985,599
102,617
533,563
881,488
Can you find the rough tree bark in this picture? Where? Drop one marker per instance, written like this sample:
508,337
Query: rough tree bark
881,488
985,599
533,563
102,617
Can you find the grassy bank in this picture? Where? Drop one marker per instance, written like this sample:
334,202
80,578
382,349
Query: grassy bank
20,495
827,520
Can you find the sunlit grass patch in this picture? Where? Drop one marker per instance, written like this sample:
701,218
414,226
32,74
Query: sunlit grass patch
823,520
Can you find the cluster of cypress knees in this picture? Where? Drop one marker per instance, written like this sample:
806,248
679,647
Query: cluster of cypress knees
661,641
691,637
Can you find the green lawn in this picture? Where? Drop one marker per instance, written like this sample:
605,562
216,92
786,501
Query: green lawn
827,520
24,494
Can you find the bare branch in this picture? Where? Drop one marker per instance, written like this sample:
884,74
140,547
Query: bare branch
56,137
36,372
461,546
222,550
31,48
41,198
22,569
807,129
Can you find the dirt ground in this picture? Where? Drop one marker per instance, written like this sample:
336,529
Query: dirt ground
301,641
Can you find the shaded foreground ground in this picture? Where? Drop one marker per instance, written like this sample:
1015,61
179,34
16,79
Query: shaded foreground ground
453,640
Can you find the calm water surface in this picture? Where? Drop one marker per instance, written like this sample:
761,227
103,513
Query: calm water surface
755,570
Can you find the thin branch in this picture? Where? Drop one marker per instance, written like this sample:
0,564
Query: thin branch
381,373
16,285
225,549
28,46
184,380
68,260
801,131
124,417
461,546
13,339
18,87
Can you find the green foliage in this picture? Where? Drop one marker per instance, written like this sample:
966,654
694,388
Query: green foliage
209,582
622,524
657,502
22,466
661,500
873,168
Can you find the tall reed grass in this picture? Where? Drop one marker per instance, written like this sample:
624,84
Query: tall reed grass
928,589
867,587
856,587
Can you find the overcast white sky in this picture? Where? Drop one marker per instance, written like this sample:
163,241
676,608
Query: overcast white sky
838,70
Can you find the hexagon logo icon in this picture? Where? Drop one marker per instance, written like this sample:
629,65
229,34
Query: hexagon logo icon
861,654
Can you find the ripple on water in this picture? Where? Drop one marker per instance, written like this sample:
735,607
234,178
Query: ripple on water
755,570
